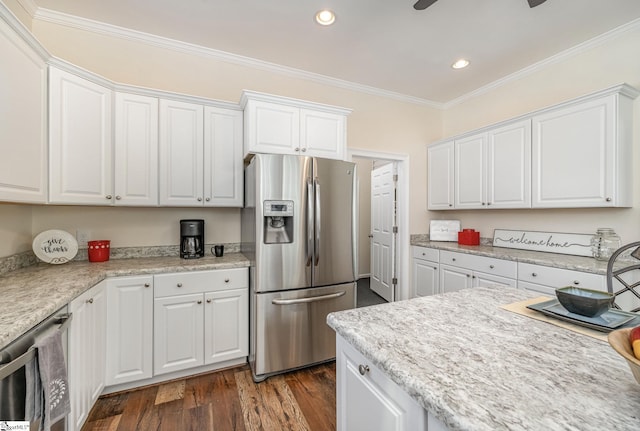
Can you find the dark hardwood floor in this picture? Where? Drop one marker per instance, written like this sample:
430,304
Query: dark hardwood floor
225,400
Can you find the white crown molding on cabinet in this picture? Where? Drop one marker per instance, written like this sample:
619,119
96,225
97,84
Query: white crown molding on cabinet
29,6
189,48
16,25
563,55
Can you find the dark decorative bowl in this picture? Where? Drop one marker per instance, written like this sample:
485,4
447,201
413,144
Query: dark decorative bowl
586,302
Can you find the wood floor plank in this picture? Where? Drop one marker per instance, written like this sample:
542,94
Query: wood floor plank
314,390
138,410
170,391
107,424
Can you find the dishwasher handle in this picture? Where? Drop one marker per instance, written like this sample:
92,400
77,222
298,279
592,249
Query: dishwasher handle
9,368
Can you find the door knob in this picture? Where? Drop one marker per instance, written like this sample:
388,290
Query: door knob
371,236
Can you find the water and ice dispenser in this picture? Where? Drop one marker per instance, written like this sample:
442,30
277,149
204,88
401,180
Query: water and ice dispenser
278,222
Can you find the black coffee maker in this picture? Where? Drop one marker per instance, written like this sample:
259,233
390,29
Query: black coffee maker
191,239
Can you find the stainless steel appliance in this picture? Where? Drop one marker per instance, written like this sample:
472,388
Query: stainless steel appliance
191,239
13,358
299,231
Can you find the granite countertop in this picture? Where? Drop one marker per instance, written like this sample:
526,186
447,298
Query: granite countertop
564,261
31,294
478,367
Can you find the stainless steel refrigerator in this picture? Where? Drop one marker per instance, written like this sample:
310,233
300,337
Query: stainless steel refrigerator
299,228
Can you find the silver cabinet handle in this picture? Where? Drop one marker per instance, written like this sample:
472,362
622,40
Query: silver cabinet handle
147,285
468,276
226,280
576,282
491,266
208,301
533,274
109,196
90,301
304,149
199,199
363,369
297,149
118,197
207,199
308,299
200,302
608,199
450,205
179,284
453,259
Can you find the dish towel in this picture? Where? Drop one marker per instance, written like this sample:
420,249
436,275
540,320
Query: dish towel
47,383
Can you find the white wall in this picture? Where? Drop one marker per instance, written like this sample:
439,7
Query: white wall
610,63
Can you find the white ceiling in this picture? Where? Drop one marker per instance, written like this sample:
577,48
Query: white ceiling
384,44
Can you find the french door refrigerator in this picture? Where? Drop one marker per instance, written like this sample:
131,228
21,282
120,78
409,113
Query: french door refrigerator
299,227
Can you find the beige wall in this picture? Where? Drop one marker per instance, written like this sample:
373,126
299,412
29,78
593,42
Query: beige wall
17,9
15,229
608,64
364,227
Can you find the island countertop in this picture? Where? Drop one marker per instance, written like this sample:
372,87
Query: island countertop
476,366
31,294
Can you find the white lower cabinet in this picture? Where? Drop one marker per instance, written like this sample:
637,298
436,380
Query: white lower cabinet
546,280
368,400
200,318
129,329
87,352
462,270
425,271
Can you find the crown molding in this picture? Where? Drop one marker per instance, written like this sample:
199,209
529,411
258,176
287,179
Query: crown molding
29,6
16,25
535,67
97,27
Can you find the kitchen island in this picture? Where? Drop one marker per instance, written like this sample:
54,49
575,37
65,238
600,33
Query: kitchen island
475,366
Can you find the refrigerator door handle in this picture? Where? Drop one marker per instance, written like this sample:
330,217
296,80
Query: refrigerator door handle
316,249
309,221
308,299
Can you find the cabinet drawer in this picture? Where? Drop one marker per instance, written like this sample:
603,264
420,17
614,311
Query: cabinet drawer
557,277
426,253
184,283
488,265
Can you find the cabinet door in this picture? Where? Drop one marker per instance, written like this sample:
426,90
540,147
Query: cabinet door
369,400
80,144
181,153
453,278
440,178
223,164
87,350
426,280
470,172
480,279
574,155
178,333
226,325
508,173
322,134
271,128
23,121
129,329
136,150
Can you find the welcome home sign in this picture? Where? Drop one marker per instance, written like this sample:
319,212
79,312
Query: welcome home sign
576,244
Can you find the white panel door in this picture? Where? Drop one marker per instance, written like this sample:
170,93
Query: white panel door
470,171
223,164
23,121
178,333
136,150
226,325
509,166
322,134
181,153
271,128
573,155
129,329
426,277
454,278
382,223
440,177
80,146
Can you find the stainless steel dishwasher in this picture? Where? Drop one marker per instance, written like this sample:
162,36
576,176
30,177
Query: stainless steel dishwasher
13,359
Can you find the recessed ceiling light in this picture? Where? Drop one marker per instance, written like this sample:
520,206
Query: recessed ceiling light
460,64
325,17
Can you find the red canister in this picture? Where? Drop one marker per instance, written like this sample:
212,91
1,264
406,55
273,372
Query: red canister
468,237
99,250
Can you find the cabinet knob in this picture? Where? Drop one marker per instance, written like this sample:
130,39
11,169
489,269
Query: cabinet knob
473,276
491,266
207,199
179,284
304,149
226,280
147,285
422,253
450,205
200,301
90,301
297,149
468,276
363,369
483,204
109,196
453,259
576,282
208,301
533,274
488,203
608,199
118,197
199,199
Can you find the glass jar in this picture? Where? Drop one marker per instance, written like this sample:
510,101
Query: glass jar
604,243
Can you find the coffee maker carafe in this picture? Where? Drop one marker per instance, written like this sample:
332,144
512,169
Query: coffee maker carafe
191,239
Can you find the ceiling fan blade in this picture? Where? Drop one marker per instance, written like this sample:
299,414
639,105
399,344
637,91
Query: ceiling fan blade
423,4
534,3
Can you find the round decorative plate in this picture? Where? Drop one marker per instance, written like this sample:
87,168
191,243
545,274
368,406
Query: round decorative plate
55,246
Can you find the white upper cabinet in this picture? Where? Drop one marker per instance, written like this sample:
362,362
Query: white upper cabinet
23,120
80,147
470,169
136,150
582,153
440,182
280,125
181,153
223,167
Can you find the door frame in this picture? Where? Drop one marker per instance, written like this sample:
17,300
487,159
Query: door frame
402,215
